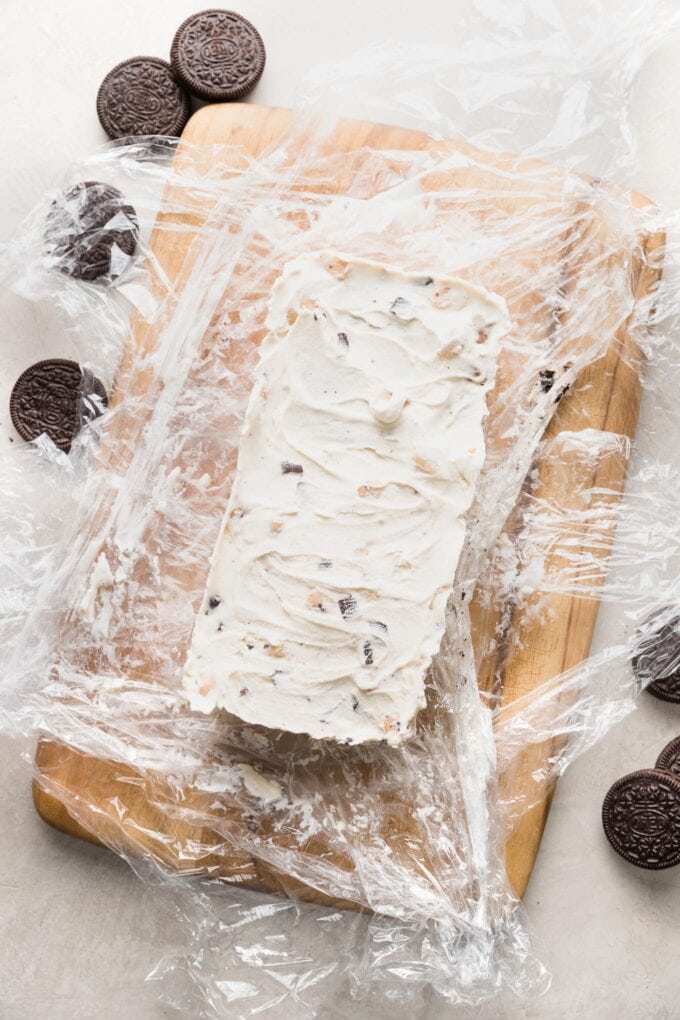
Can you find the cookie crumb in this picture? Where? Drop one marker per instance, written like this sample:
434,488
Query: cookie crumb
348,607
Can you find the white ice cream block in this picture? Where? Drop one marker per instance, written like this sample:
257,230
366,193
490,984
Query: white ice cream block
360,451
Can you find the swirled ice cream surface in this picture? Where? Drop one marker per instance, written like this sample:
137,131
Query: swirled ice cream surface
358,458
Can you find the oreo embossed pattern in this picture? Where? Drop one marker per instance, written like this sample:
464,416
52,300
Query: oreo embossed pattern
218,55
141,96
57,398
91,231
641,818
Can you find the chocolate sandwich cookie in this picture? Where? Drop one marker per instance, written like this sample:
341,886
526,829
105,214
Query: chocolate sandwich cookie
669,759
56,397
91,231
141,96
641,818
657,660
218,55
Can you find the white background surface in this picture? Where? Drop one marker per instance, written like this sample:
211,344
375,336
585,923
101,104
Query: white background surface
78,931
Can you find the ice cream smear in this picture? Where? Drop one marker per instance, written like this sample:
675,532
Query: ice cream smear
360,450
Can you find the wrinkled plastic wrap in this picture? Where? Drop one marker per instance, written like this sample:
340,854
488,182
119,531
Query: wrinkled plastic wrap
390,859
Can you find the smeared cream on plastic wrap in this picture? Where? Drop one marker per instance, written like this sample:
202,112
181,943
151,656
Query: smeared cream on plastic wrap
107,551
358,458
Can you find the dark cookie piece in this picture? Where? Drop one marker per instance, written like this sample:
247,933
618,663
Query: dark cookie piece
56,397
641,818
91,231
348,606
141,96
213,602
546,379
657,660
218,55
669,759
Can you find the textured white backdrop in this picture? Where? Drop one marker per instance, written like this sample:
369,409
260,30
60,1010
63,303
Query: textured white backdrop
79,932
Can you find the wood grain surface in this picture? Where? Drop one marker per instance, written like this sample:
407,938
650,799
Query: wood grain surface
605,397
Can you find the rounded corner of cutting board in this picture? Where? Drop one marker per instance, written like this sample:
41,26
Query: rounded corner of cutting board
51,811
214,123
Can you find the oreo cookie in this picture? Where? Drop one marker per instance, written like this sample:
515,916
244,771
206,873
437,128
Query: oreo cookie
657,660
218,55
56,397
141,96
641,818
91,231
669,759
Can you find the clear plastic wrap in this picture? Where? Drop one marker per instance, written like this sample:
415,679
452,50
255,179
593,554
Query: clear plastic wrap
106,550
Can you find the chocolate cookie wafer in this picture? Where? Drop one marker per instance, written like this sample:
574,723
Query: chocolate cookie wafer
641,818
657,660
669,759
56,397
141,96
91,231
218,55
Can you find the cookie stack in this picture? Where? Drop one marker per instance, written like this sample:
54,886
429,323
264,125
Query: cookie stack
641,811
216,56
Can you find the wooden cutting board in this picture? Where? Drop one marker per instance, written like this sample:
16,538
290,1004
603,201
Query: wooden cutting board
118,807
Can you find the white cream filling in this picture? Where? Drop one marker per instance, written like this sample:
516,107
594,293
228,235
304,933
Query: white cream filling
359,454
258,785
100,577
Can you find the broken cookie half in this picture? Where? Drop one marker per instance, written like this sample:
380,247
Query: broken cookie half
358,459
